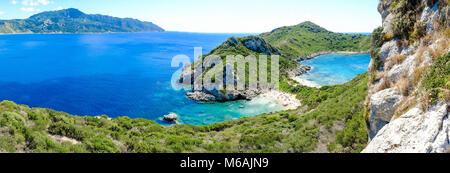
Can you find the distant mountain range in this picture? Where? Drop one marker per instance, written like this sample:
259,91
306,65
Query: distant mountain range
74,21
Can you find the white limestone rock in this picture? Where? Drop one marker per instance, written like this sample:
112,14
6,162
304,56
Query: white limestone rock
415,132
382,108
389,49
172,117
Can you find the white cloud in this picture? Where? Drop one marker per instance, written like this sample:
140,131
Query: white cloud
29,3
29,9
1,12
44,2
35,2
14,2
59,8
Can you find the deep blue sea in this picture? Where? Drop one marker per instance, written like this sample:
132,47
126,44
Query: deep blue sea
336,69
111,74
129,75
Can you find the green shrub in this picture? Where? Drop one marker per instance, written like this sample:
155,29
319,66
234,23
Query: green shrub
436,80
420,29
69,130
376,38
102,144
406,13
354,135
271,119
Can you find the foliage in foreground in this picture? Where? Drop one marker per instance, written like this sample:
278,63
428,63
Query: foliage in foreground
24,129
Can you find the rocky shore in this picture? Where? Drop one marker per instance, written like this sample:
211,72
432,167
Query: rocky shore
300,70
222,96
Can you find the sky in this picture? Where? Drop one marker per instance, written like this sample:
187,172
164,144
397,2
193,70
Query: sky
217,16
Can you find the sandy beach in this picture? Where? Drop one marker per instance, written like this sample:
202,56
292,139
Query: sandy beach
289,101
306,82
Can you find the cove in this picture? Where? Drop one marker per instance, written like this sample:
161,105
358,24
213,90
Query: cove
125,74
335,69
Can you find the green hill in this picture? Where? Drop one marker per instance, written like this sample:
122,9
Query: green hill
74,21
307,38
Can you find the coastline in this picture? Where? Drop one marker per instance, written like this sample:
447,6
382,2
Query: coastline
306,82
315,55
71,33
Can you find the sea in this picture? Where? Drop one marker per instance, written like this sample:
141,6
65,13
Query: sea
130,74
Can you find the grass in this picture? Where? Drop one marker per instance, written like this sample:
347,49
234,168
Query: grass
403,86
385,83
394,60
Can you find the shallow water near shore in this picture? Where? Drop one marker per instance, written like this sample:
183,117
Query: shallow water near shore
112,74
335,69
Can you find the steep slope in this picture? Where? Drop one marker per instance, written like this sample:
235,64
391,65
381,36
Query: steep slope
308,38
74,21
409,95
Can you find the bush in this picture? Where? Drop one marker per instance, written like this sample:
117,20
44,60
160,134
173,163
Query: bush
406,15
376,38
271,119
436,80
102,144
420,29
68,130
354,136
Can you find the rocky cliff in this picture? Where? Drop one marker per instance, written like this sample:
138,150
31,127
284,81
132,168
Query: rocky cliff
408,102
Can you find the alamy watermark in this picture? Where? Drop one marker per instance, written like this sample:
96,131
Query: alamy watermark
233,73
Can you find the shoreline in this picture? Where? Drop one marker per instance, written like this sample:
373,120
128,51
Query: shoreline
70,33
315,55
306,82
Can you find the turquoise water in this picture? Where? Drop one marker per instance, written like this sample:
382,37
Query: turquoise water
111,74
336,69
